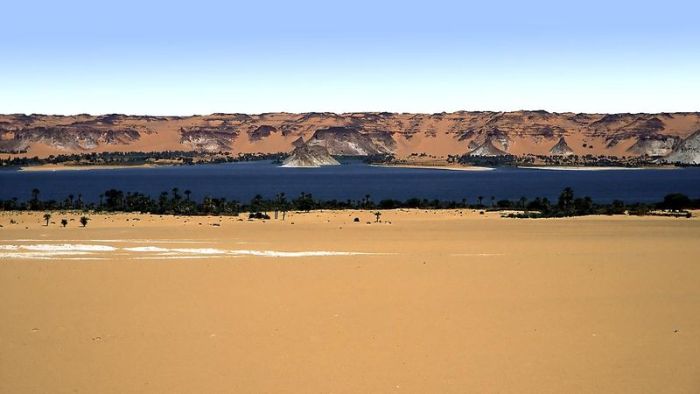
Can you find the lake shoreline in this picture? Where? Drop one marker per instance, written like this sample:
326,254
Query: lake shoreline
88,167
595,168
440,167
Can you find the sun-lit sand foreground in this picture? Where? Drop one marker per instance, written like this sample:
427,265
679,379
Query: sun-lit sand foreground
436,301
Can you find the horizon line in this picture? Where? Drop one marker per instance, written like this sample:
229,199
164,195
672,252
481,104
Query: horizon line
344,113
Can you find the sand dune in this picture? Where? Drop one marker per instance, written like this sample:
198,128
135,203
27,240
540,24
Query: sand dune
437,301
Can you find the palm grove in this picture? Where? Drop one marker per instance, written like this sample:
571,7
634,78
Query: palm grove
177,202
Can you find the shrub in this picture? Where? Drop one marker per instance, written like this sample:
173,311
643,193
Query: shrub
258,215
676,201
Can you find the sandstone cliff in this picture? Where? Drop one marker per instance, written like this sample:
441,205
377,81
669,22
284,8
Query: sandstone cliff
515,133
687,152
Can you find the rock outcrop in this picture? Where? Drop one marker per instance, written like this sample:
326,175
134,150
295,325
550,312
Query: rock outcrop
687,152
561,148
356,134
653,146
310,156
208,139
347,141
69,138
487,149
261,132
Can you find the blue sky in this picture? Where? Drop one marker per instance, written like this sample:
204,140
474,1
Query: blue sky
183,58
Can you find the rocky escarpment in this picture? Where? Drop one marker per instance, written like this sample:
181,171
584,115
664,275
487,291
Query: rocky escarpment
347,141
21,132
561,148
357,134
310,156
687,152
298,142
261,132
208,139
492,135
69,138
654,145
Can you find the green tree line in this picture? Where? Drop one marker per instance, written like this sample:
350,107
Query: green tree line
180,202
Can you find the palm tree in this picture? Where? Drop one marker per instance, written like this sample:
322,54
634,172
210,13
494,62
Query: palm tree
34,202
480,198
70,198
162,201
13,204
278,203
256,203
47,217
566,198
64,222
187,194
493,201
283,204
378,215
523,201
84,220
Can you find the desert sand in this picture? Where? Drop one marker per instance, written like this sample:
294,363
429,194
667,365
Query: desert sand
423,301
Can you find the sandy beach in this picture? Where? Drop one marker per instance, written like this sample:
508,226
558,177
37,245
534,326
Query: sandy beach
594,168
436,167
423,301
86,167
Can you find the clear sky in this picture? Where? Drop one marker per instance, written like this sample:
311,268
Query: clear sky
199,57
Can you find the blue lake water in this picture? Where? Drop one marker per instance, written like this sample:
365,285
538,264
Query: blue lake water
353,180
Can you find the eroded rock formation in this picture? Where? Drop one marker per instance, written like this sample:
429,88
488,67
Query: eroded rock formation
357,134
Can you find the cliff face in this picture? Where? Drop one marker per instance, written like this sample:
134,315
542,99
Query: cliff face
351,142
654,145
516,133
310,156
208,139
687,152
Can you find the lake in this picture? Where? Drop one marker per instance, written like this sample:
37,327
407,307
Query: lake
354,180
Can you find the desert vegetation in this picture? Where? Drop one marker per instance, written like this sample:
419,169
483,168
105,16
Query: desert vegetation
177,202
507,160
140,158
